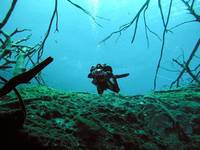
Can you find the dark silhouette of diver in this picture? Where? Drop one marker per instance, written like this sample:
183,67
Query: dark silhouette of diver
104,79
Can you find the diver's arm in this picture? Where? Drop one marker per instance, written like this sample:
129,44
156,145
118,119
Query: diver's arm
90,75
108,74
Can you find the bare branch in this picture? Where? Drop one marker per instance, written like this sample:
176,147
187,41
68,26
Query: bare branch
5,20
127,25
192,4
191,10
170,70
147,27
24,77
57,30
8,36
40,50
198,75
197,67
135,29
187,69
18,31
161,12
23,40
183,23
165,24
187,64
103,18
4,53
2,67
85,11
18,96
1,41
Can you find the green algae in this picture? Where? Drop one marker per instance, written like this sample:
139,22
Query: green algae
79,120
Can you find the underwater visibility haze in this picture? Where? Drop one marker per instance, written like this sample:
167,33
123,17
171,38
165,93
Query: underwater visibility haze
100,74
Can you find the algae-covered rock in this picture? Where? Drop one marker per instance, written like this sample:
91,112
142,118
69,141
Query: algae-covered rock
77,120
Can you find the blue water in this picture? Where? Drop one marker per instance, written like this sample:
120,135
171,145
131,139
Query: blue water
75,48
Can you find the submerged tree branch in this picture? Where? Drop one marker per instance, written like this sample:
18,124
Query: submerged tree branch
41,48
187,69
24,77
180,24
85,11
148,29
3,23
18,96
191,10
127,25
186,64
165,24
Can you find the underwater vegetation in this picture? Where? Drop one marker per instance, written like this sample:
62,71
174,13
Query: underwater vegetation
35,116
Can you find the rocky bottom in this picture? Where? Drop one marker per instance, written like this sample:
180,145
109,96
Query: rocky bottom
57,120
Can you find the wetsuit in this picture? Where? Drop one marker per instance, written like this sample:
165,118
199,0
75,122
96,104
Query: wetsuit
103,78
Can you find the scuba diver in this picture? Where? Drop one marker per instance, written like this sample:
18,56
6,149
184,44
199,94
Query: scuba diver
104,79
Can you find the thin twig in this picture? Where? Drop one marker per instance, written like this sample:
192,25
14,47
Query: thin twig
165,24
127,25
191,10
161,12
183,23
146,27
40,50
170,70
18,31
85,11
187,69
187,63
197,67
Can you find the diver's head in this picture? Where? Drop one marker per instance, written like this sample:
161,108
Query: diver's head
99,66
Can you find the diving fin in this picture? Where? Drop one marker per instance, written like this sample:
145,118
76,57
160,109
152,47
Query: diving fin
121,75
